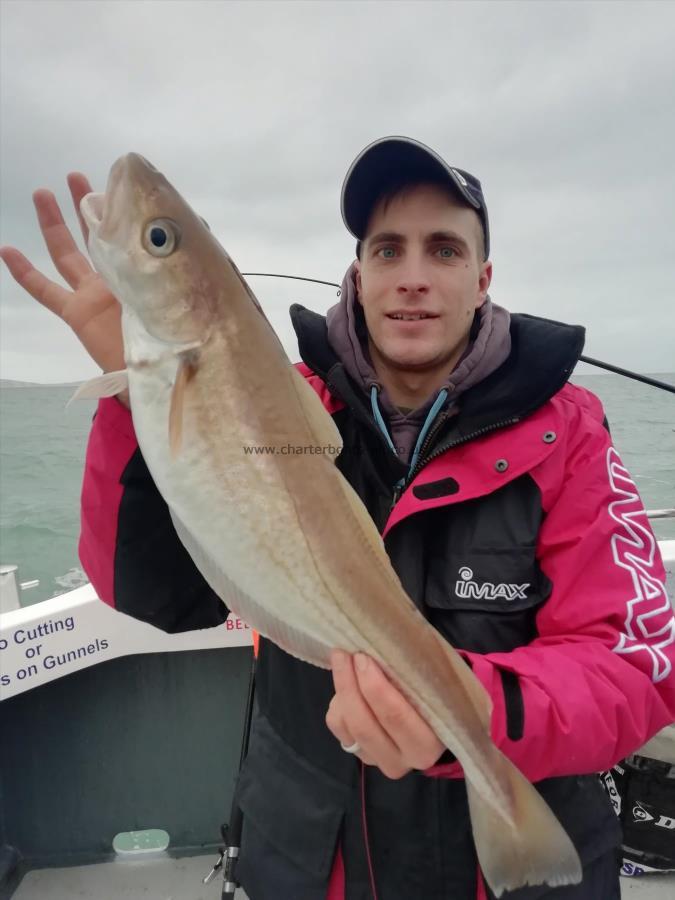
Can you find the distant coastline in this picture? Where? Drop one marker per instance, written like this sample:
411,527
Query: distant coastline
9,383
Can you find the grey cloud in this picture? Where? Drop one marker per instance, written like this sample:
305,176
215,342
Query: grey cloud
255,110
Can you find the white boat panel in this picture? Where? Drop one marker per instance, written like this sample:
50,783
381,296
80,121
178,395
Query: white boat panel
47,640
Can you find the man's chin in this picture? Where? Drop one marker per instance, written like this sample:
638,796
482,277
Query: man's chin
411,356
412,362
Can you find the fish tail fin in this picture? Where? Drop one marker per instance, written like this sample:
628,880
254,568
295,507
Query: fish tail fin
532,848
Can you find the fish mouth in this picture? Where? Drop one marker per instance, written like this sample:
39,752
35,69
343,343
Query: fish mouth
103,213
91,209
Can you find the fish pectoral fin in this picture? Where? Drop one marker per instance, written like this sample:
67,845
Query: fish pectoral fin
321,424
187,368
532,849
106,385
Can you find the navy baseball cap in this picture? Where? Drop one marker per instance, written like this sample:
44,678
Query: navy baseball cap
387,160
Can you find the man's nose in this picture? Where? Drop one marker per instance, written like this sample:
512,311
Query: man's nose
413,278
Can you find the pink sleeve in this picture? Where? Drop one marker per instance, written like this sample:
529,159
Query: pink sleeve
598,680
112,443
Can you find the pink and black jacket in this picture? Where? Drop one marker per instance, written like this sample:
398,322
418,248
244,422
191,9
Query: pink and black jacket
523,540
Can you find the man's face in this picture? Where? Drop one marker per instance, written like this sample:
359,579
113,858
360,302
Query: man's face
420,258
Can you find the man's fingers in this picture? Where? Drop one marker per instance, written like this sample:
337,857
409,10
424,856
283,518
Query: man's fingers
79,188
359,721
415,739
46,292
380,717
336,724
68,259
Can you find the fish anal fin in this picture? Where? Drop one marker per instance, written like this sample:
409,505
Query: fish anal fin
531,849
187,368
298,643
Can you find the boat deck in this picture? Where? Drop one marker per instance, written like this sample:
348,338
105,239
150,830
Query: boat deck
181,879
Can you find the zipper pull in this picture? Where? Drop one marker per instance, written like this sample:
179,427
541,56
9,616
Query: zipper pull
398,490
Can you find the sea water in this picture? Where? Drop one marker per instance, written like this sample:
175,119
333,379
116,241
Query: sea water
43,445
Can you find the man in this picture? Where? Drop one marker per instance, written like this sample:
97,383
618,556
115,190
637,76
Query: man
505,511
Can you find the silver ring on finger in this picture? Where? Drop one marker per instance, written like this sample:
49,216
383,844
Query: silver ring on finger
353,748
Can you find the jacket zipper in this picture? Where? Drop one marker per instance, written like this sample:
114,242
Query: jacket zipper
403,483
423,461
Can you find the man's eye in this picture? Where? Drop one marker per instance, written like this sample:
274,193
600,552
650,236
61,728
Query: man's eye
447,252
384,250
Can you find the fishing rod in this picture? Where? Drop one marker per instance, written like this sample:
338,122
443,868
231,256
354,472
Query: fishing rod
644,379
231,830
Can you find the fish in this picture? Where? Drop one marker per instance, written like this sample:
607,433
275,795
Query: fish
280,535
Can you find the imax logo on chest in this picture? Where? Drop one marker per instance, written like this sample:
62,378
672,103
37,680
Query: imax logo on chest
469,589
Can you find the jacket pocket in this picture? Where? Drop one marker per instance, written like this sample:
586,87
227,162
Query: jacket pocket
291,806
486,600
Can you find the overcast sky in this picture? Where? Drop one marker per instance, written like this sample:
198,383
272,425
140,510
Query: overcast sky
255,111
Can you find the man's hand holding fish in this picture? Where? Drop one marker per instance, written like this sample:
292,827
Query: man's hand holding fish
368,711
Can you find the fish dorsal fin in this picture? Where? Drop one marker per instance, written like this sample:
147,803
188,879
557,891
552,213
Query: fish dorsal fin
326,433
106,385
473,687
369,531
187,369
323,428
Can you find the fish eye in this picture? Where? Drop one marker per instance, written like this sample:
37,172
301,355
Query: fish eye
161,237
